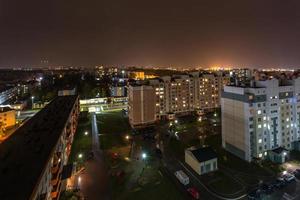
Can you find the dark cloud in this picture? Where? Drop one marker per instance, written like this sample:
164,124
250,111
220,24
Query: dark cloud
188,33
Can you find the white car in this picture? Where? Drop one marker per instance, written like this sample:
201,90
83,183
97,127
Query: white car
289,177
182,177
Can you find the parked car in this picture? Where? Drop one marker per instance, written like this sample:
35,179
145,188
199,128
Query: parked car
193,191
296,173
289,177
267,188
182,177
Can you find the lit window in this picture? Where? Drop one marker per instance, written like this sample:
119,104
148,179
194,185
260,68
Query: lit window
260,141
259,112
264,117
259,126
265,125
266,153
287,119
260,155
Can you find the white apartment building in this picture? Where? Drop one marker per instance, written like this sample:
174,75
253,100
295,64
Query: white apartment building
7,93
262,119
179,95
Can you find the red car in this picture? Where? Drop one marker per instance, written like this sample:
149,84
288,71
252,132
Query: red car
193,191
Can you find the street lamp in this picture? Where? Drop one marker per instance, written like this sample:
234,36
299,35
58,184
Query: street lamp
32,99
144,156
86,133
176,121
127,137
80,155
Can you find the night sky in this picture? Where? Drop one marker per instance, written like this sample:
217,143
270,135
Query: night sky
250,33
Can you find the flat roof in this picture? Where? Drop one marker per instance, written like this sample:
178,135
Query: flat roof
204,154
25,154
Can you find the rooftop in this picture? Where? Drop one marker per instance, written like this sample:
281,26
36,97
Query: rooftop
279,150
204,154
5,109
25,154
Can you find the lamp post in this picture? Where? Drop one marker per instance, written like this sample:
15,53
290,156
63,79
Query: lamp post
32,100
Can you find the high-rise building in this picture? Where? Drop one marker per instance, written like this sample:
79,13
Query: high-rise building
7,92
261,120
180,94
33,158
141,105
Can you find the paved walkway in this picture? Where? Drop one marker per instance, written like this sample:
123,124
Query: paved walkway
95,180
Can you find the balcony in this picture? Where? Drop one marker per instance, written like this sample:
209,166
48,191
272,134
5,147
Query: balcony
56,191
55,179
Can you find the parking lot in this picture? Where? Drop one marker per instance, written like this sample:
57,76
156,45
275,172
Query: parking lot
286,186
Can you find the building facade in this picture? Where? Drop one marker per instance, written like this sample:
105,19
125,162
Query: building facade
141,106
260,118
6,93
7,118
34,157
201,160
180,94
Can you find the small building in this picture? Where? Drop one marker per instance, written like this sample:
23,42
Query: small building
19,105
67,91
278,155
118,91
202,160
7,118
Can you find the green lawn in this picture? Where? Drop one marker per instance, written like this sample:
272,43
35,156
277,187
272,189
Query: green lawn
82,143
113,127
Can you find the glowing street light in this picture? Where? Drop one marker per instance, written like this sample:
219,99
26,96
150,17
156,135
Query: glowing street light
176,121
144,155
86,133
32,99
80,155
127,137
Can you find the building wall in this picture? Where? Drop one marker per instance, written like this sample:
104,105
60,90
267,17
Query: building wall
192,162
7,94
50,184
141,105
8,119
196,165
267,117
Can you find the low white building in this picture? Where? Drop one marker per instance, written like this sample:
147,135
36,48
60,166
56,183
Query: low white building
202,160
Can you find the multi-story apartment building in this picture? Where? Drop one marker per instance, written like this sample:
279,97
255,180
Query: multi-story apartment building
7,118
33,158
261,120
141,107
179,95
7,92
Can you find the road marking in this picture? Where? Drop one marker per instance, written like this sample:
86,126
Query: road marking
216,195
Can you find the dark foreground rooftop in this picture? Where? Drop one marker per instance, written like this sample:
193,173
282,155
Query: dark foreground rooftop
25,154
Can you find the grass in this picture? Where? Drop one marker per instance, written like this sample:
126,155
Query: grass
113,127
81,143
